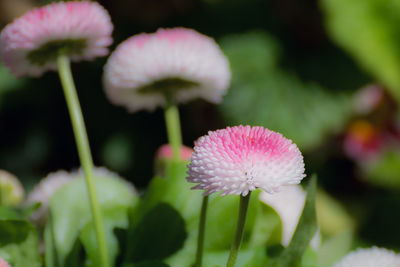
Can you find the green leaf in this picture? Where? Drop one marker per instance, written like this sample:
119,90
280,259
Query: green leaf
50,249
255,257
19,240
247,258
9,214
12,231
115,217
263,94
267,227
26,211
150,264
310,258
306,228
221,221
221,216
71,217
335,248
384,170
23,253
14,228
173,190
160,233
333,218
221,213
369,31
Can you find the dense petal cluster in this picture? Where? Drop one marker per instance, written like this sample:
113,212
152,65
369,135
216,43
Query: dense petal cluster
240,159
79,29
178,63
289,204
370,257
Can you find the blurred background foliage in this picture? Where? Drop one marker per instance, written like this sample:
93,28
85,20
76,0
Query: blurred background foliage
324,73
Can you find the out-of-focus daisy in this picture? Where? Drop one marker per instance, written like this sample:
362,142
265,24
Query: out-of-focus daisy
44,190
370,257
289,203
177,65
49,185
165,152
11,190
368,98
164,156
363,141
242,158
31,44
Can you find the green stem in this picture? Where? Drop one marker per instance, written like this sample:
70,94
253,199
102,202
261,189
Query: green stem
82,143
173,125
200,237
244,204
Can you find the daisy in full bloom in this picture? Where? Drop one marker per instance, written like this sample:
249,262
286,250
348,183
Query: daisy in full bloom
289,203
148,70
31,44
239,159
370,257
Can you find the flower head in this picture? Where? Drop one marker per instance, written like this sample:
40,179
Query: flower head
165,152
289,203
242,158
180,64
370,257
11,190
368,98
164,157
78,29
363,141
3,263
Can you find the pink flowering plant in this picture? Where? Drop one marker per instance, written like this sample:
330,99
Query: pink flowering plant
234,197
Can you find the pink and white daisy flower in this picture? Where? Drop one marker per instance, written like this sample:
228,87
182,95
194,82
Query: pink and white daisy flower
79,29
177,63
370,257
240,159
289,203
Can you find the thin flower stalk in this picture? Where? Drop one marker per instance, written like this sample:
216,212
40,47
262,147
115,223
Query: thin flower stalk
85,156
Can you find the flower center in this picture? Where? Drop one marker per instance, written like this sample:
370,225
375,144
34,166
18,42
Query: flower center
51,50
249,177
167,86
